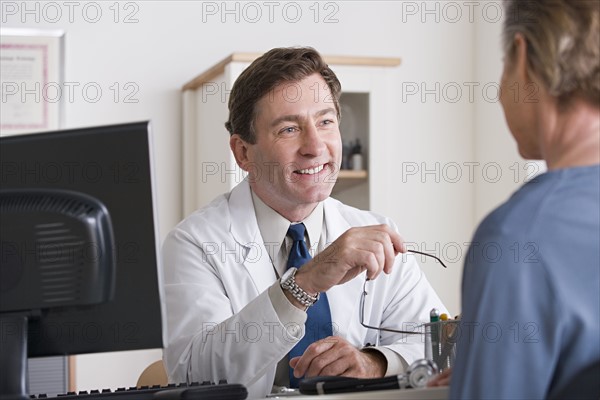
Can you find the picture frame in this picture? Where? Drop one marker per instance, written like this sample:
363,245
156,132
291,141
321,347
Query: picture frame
32,79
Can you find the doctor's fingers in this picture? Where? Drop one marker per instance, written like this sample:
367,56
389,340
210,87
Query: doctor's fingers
387,233
383,250
374,255
301,364
372,261
382,233
341,258
349,256
337,361
335,265
377,239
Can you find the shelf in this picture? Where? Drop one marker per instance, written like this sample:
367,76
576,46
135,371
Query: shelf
219,68
352,174
349,178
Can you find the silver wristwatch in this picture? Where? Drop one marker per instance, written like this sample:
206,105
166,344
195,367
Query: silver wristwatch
288,282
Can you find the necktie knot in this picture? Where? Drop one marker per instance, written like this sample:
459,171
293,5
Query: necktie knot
296,232
299,254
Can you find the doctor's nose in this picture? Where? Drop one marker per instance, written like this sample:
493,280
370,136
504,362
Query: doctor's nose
312,142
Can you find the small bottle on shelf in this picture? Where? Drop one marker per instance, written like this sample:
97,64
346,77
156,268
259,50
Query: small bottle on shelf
357,158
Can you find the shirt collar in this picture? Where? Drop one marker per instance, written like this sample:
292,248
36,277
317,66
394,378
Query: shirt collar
273,227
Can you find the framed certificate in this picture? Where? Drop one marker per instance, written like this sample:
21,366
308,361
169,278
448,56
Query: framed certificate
31,75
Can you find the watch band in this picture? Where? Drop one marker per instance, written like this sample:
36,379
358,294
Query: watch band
299,294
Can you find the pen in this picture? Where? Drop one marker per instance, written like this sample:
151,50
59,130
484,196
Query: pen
434,318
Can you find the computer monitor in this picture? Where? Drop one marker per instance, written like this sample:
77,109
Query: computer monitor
111,167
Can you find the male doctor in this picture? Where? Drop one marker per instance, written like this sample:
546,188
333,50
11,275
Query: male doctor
245,300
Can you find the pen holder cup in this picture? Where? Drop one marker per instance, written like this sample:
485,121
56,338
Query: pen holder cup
440,342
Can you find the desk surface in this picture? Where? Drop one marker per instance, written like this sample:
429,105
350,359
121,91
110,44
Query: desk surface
437,393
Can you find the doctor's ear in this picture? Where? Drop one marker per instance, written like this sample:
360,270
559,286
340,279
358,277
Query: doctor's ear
240,150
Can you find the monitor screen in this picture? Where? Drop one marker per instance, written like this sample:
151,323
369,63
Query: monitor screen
112,164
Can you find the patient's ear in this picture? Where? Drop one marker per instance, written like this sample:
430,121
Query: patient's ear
519,57
240,150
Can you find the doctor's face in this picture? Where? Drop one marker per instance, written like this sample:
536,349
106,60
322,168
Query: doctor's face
295,159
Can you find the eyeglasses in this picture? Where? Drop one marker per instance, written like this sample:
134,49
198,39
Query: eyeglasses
364,295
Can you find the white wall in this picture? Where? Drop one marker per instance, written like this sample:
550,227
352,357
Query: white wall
433,129
495,148
448,44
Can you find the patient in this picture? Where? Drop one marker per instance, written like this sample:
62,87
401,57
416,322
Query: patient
530,321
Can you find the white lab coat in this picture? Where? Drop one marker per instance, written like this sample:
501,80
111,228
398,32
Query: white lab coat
221,322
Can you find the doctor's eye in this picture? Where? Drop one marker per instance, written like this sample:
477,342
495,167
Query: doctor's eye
288,129
327,122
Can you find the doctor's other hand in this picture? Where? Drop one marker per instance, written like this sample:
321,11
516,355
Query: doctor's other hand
442,379
334,356
371,248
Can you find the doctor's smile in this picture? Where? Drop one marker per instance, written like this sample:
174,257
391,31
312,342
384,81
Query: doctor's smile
310,171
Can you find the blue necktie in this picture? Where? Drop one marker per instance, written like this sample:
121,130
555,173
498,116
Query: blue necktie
318,321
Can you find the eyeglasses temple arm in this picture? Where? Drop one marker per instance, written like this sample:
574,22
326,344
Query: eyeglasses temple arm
362,316
428,255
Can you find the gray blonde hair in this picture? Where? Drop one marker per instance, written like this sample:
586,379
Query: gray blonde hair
563,44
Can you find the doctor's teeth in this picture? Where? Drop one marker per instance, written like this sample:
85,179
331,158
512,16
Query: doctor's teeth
312,171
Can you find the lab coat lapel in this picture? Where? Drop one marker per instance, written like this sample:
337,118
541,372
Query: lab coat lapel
245,231
335,222
343,299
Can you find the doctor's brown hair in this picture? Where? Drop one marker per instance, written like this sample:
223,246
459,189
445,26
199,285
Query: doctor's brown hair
277,66
563,44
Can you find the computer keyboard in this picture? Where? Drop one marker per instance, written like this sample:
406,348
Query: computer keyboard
200,391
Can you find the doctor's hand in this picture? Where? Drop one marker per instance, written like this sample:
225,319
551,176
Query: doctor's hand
371,248
334,356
